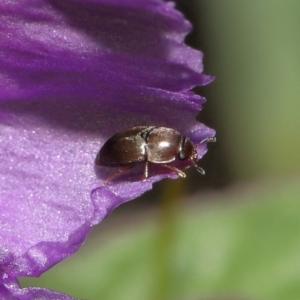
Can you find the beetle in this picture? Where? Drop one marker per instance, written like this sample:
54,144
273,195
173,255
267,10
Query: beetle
148,145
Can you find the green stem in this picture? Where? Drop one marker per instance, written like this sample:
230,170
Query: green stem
166,238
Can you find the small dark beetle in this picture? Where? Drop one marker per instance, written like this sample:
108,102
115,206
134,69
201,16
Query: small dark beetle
148,144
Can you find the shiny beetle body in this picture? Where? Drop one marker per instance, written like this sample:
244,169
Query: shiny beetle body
147,144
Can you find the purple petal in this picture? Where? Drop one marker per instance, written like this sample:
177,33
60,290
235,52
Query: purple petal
10,290
73,74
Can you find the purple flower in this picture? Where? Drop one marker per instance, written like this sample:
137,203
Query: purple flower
73,73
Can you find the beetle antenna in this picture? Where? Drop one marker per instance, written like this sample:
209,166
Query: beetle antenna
208,140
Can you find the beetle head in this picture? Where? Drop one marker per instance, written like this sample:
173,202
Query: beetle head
188,151
195,157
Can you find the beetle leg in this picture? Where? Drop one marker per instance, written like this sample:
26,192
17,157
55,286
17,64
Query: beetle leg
179,172
116,174
199,169
145,176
